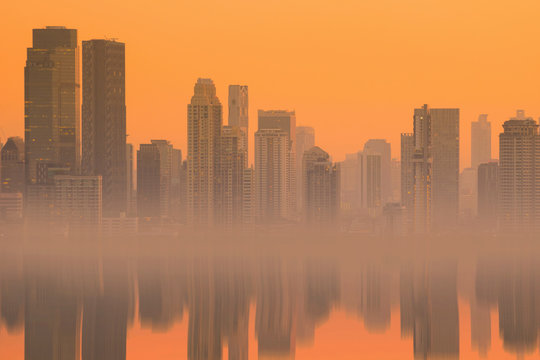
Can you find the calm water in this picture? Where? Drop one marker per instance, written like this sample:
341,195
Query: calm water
269,297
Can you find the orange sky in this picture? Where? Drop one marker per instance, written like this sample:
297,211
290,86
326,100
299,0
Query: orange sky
353,69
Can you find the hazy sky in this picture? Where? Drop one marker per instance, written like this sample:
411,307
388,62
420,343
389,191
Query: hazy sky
352,69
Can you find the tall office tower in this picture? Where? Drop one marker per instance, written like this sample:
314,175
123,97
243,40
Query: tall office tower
421,207
52,100
154,164
12,166
445,167
370,170
78,201
204,135
467,194
350,183
321,188
434,174
130,181
480,141
488,193
40,197
104,120
407,171
271,175
361,183
248,196
396,180
176,196
284,121
383,148
305,140
232,176
239,115
519,177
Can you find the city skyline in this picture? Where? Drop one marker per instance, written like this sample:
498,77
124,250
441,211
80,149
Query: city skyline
363,100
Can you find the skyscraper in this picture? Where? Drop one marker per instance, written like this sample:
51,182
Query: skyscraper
12,166
434,174
231,176
271,175
407,173
480,141
305,140
239,113
154,170
519,175
383,148
130,180
78,201
488,193
204,135
321,187
104,120
51,96
286,122
421,207
445,166
360,175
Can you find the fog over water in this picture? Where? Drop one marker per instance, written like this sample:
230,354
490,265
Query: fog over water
269,296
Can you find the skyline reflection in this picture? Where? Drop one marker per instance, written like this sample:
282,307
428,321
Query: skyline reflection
85,301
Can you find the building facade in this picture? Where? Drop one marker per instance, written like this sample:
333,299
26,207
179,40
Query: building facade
480,141
104,120
12,166
488,194
52,100
519,175
271,175
239,114
384,149
204,136
305,140
285,121
321,187
78,201
430,170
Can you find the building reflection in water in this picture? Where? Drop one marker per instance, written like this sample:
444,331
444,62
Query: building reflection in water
81,306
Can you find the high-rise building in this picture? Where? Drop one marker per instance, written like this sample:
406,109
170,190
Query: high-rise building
176,197
204,135
488,193
305,140
321,188
104,120
384,149
445,166
40,197
130,181
467,194
480,141
154,170
232,176
11,206
434,174
248,195
52,100
78,201
239,113
271,175
12,166
396,180
360,183
285,121
519,175
407,170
